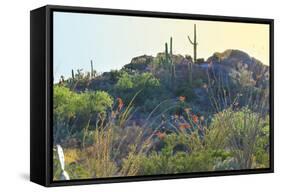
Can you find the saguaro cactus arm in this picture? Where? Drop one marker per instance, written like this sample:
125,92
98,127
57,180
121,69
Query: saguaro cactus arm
191,42
194,42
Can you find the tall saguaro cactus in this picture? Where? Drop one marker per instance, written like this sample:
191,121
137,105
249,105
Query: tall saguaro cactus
172,64
72,74
166,56
171,46
92,69
194,43
168,61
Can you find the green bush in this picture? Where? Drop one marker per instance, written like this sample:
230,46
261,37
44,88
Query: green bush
185,90
244,132
127,85
124,82
169,159
72,111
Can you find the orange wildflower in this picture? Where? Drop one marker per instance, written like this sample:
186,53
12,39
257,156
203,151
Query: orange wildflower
182,98
185,126
160,135
195,118
120,103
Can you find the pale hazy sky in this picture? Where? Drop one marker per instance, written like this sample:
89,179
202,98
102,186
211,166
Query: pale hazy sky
112,41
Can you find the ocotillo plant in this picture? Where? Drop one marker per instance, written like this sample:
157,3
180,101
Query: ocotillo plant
194,43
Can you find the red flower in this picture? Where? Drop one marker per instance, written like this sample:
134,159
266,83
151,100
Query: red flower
120,103
182,98
195,118
184,126
160,135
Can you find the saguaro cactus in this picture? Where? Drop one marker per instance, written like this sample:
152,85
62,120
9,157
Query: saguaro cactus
171,63
194,43
92,70
72,74
171,46
166,56
189,65
168,61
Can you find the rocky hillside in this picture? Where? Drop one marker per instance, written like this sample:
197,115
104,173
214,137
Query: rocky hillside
236,62
232,63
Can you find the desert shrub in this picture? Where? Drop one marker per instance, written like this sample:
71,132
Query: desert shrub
197,82
72,111
114,75
95,102
146,79
78,171
66,103
99,156
131,163
261,152
124,82
171,160
244,132
185,90
139,81
229,163
71,155
128,85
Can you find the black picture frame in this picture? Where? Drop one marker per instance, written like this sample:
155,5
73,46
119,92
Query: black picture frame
41,83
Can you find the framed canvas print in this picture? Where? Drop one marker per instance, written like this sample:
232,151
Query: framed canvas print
120,95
